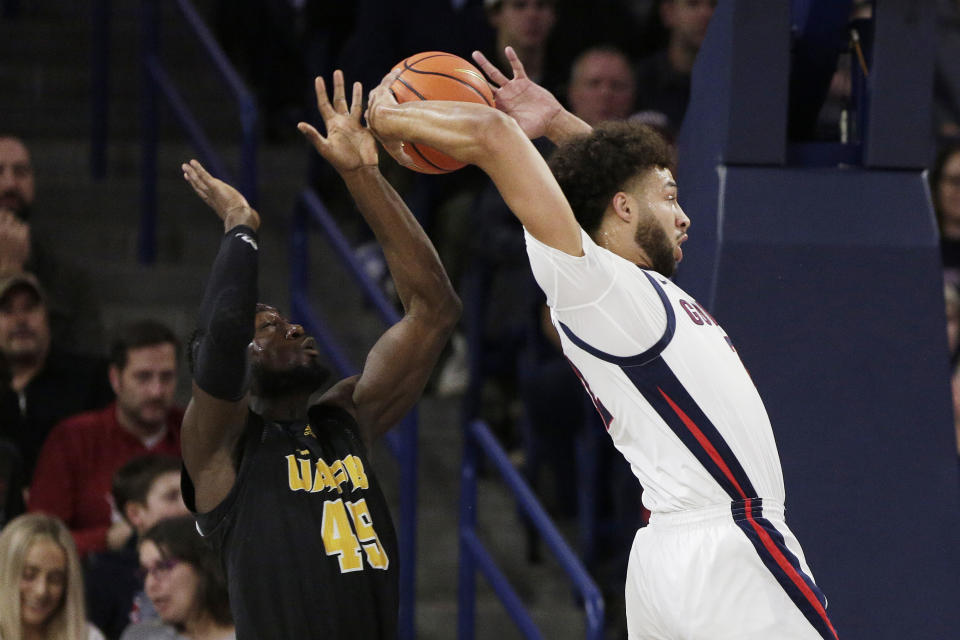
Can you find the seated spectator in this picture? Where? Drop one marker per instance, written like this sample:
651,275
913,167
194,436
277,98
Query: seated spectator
602,85
185,581
41,588
145,490
76,466
663,79
945,190
74,312
44,383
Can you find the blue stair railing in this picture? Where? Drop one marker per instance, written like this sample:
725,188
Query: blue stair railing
475,557
309,213
156,84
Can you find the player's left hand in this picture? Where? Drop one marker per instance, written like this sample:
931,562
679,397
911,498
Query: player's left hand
228,203
348,146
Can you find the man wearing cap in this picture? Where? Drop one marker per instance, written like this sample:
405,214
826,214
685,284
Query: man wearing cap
46,383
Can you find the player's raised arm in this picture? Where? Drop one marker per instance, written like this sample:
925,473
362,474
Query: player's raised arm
218,408
493,141
399,364
536,110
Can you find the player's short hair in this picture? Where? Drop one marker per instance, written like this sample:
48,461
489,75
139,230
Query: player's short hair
132,482
142,333
592,168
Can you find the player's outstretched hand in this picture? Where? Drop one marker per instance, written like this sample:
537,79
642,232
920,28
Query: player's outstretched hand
348,146
382,96
228,203
532,106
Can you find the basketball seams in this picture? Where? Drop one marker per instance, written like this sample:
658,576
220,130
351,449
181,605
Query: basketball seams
447,75
436,82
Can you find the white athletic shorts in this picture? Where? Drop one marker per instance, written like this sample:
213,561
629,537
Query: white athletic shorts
728,571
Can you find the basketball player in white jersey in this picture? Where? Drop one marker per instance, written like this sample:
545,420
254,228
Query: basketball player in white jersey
717,560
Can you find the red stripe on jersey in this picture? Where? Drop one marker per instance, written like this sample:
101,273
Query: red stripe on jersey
704,442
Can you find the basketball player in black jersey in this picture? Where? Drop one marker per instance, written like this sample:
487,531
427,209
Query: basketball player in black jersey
277,469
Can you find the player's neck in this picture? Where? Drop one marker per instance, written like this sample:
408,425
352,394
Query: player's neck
285,408
620,241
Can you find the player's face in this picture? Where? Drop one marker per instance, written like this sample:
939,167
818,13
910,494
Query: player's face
524,23
284,359
602,88
146,386
24,331
662,225
164,500
171,584
43,582
16,177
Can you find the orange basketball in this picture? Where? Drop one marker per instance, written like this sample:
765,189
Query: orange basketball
434,75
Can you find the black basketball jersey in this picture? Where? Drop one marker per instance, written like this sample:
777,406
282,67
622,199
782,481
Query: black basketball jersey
305,534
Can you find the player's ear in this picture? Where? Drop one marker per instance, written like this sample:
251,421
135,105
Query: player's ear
622,206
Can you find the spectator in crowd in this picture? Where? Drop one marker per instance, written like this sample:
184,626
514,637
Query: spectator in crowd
602,85
526,26
185,581
41,588
663,79
945,189
145,490
76,466
43,382
72,304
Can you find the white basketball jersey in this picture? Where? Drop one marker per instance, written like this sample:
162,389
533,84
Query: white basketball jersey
665,377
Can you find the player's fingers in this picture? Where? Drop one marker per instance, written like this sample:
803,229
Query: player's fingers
311,134
495,75
202,174
356,101
323,102
515,64
339,95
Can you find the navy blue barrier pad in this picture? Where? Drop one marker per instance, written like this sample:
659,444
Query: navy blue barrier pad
828,283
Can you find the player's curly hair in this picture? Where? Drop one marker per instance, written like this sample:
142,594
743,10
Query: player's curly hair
592,168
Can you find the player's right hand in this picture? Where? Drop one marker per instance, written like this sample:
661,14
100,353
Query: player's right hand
228,203
532,106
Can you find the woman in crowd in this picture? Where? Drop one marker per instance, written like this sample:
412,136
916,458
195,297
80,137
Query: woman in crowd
184,581
41,586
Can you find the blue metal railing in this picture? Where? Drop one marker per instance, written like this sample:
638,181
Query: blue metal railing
474,556
156,83
402,441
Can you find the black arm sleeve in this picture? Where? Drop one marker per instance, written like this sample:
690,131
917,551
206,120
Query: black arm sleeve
225,324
